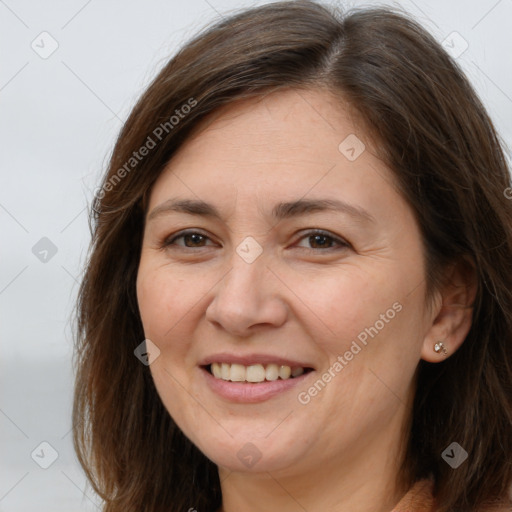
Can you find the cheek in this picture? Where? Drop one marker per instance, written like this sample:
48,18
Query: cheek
152,296
171,302
339,305
372,319
164,299
164,302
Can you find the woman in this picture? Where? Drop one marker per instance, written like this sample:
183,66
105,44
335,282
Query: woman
299,289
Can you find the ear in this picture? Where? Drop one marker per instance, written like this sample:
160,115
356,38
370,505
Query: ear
452,313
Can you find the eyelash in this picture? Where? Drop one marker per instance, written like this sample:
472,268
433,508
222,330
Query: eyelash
342,244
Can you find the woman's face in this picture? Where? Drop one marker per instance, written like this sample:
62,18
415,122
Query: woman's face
275,243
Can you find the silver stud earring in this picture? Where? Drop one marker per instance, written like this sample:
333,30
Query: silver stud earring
439,347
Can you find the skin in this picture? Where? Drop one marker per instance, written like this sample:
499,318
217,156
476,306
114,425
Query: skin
300,298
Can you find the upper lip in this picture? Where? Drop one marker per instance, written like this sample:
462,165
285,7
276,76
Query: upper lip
248,359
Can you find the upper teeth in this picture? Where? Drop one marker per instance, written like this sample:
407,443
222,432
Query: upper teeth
254,372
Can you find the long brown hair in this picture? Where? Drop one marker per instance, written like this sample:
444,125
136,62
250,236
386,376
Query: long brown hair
432,131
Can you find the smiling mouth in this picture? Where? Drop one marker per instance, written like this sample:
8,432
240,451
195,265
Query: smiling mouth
254,373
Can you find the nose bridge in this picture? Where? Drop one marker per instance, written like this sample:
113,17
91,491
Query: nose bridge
245,280
248,267
246,295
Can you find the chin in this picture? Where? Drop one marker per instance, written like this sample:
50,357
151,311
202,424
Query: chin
247,451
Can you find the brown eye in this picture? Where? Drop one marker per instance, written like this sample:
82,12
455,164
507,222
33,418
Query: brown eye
189,239
194,240
322,240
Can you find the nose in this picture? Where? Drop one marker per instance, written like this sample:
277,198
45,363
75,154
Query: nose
249,297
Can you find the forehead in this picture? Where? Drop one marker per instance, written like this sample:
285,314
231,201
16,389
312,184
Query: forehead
286,143
283,121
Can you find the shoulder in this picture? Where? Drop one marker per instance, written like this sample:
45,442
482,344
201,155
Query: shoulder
419,498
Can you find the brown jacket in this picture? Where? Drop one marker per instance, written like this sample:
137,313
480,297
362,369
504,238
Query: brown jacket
420,498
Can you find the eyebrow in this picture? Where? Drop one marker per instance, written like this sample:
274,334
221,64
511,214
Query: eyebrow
280,211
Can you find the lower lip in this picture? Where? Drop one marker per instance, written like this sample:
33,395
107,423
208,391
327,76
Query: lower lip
247,392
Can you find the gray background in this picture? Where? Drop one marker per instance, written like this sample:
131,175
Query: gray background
59,117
